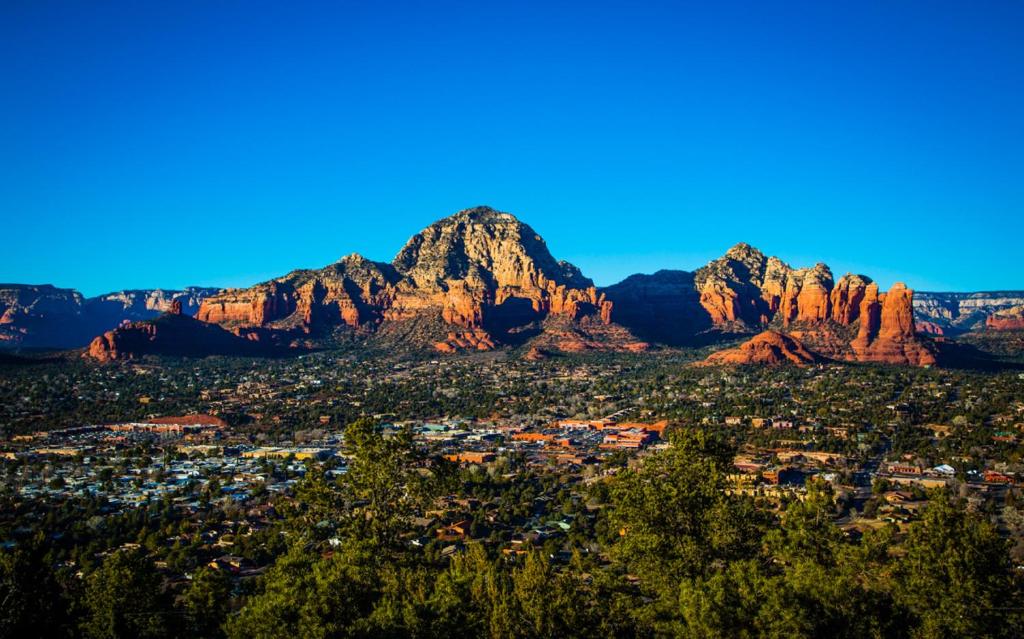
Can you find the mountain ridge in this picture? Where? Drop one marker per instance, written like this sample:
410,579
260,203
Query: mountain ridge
481,279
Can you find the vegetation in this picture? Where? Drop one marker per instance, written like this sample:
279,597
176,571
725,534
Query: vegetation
686,557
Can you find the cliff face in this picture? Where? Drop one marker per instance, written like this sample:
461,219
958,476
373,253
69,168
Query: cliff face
49,317
887,333
350,292
663,307
1011,319
487,270
959,312
41,316
769,348
170,335
746,290
149,303
474,280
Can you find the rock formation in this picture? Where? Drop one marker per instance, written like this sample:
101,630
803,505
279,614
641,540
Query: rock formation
886,333
745,290
846,298
770,348
1011,319
472,281
481,279
49,317
957,313
664,307
171,335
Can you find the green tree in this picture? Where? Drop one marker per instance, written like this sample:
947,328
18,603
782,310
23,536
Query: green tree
383,483
33,601
304,595
956,575
206,602
124,598
674,515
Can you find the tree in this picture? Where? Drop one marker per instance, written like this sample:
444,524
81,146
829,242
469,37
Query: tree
956,576
33,602
124,598
674,515
304,595
382,483
207,602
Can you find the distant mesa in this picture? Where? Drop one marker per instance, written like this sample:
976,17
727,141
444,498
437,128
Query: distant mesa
770,348
1011,319
957,313
44,316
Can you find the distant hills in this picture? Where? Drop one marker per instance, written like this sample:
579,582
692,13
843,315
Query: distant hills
47,317
482,279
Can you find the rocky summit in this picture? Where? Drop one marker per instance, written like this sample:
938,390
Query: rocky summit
472,281
746,291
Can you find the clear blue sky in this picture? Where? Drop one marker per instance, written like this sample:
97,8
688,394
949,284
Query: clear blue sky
148,144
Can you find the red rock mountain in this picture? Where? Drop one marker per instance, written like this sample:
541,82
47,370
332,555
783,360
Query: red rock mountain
745,290
474,280
171,334
770,348
481,279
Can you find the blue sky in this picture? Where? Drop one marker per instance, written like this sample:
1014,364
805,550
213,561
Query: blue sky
148,144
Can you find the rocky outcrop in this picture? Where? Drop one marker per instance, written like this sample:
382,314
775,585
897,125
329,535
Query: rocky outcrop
480,276
1011,319
807,295
49,317
170,335
770,348
351,292
887,333
925,327
744,290
846,298
487,270
957,313
733,289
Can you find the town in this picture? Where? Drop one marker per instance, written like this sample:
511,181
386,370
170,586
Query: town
218,447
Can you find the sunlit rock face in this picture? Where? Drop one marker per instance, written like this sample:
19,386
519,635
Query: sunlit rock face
475,280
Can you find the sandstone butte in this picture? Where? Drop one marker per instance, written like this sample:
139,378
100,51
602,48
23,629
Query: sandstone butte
770,348
172,334
1011,319
745,289
476,275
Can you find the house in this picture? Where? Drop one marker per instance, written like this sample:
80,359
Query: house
471,457
993,477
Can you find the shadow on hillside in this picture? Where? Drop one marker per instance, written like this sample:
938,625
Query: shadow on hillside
957,355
